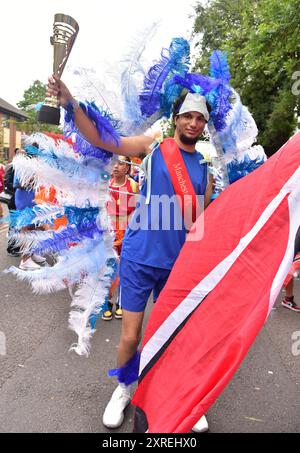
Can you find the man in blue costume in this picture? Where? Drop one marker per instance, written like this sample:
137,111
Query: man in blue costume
148,253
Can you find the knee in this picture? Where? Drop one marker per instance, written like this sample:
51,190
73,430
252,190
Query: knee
131,339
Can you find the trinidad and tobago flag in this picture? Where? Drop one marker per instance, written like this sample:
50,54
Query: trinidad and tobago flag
219,295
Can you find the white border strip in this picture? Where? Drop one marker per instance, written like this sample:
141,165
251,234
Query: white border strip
294,210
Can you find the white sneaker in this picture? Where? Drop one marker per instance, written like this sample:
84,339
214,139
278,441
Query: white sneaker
114,413
201,426
38,259
29,265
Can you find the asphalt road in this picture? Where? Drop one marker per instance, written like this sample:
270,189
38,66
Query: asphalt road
45,388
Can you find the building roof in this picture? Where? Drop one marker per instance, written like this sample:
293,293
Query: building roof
7,108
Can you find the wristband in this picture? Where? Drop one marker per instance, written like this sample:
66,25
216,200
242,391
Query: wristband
70,108
74,104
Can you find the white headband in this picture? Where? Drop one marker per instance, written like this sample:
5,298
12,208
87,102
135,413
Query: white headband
194,102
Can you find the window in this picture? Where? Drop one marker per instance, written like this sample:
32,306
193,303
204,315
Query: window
5,120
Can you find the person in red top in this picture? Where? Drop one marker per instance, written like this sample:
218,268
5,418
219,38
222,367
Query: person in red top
123,190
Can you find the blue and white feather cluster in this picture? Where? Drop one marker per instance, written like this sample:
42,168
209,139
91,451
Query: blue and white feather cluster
83,247
237,169
37,215
107,126
231,126
216,88
219,98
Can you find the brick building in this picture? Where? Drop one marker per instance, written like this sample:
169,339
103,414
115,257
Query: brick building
10,137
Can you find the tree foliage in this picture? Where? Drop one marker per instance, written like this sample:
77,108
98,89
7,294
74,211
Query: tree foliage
261,39
33,95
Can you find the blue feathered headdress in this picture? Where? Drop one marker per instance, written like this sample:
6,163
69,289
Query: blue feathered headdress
215,88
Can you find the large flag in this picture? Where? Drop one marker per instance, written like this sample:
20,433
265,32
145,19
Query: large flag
219,294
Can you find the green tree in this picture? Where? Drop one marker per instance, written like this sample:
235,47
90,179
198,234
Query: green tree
33,95
261,38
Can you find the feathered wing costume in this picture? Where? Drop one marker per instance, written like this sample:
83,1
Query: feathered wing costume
80,172
83,245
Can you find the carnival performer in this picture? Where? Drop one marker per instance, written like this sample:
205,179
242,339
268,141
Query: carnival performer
120,207
175,190
148,254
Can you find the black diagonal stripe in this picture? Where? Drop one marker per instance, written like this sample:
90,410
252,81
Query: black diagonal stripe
140,424
157,356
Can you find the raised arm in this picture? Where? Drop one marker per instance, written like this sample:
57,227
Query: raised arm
129,146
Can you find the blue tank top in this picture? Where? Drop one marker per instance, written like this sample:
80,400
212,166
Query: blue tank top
23,198
149,239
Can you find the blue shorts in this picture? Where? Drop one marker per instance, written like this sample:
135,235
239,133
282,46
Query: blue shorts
137,282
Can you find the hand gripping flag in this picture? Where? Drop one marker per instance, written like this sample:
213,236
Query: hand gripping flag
219,295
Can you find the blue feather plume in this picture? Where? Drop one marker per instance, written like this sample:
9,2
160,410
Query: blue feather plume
87,169
78,216
174,60
172,91
37,215
83,147
129,373
197,83
32,150
194,83
105,124
107,128
82,224
219,98
237,169
219,68
61,240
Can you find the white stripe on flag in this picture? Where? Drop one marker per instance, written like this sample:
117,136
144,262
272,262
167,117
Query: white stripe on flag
195,297
294,211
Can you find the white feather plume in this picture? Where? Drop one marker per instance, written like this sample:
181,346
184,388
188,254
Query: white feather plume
27,240
85,258
132,76
87,300
35,173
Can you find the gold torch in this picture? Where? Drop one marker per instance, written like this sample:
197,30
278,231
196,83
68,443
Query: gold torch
65,31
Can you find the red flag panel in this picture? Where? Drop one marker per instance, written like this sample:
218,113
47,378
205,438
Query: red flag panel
192,364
